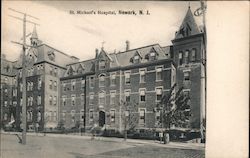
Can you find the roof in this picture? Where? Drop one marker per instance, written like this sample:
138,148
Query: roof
121,59
34,33
188,27
43,52
8,67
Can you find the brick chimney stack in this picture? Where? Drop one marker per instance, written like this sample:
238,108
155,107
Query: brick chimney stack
127,45
96,53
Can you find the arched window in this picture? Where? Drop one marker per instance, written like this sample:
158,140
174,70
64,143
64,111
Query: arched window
101,80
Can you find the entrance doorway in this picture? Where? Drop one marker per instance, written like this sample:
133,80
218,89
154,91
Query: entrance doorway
101,118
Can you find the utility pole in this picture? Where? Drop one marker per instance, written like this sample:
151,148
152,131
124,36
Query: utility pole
24,65
202,11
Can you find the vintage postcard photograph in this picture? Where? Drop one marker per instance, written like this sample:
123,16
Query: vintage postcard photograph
103,79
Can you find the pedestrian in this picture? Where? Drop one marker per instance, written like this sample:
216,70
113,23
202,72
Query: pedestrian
161,136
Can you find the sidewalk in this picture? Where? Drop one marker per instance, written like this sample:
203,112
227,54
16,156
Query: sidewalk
179,145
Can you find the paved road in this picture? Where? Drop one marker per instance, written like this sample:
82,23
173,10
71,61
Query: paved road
46,147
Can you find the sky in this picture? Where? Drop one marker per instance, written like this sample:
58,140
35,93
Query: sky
79,35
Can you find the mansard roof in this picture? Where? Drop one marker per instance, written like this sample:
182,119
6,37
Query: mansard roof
122,59
8,67
44,51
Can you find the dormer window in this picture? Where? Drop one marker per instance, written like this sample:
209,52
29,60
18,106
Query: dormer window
102,65
136,59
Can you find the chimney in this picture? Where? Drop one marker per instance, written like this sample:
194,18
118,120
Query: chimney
127,45
96,53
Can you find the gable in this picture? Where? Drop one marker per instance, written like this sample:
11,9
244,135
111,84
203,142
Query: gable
188,27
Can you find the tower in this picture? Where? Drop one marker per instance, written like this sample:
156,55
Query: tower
188,54
34,38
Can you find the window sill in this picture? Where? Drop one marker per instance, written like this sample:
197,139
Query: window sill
158,80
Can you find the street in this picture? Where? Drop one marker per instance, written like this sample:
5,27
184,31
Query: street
77,147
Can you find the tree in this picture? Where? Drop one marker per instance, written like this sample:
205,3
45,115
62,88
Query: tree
175,108
129,116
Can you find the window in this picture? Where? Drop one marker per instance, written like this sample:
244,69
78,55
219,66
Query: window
113,76
14,81
51,70
21,87
112,116
64,101
158,73
102,98
142,113
152,56
102,80
112,97
193,55
73,100
55,100
63,115
102,64
21,101
158,94
55,116
91,82
73,83
158,117
31,86
142,76
39,83
30,101
186,92
50,115
5,103
20,73
14,103
83,84
73,115
142,95
82,115
29,116
50,84
39,100
14,92
39,116
28,86
91,115
91,98
55,71
127,95
127,77
186,56
50,100
55,85
5,116
136,59
180,58
187,76
64,87
82,99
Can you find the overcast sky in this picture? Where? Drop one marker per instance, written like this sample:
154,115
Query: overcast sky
80,35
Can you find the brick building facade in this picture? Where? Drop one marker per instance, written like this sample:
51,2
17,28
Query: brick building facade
103,90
